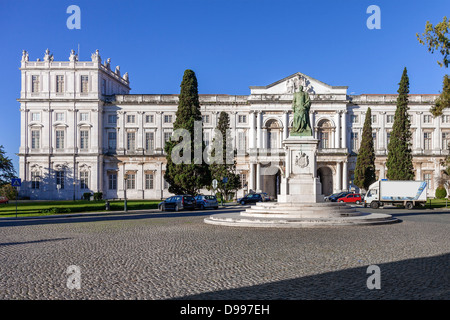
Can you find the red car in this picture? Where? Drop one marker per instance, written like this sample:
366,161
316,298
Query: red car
352,197
4,200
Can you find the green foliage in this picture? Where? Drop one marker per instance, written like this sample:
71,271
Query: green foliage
98,196
399,159
365,161
86,196
55,210
222,169
8,191
436,38
443,101
7,171
441,193
187,177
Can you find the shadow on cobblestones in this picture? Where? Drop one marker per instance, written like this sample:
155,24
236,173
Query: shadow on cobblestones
30,221
423,278
30,242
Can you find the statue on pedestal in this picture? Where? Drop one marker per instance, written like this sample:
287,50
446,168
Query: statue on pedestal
301,104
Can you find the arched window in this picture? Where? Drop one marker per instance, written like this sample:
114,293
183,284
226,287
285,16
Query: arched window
273,134
325,130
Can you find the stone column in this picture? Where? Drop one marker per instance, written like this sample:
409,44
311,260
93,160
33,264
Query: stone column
437,136
286,125
158,135
337,143
251,179
382,136
344,128
252,130
419,133
338,176
258,177
345,176
258,130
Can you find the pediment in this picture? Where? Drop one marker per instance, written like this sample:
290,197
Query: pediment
291,84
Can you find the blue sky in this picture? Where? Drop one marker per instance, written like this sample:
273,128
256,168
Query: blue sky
230,44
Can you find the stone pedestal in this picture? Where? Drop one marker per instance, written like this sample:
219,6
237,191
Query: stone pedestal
301,183
301,203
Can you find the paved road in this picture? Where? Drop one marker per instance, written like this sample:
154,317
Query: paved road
177,256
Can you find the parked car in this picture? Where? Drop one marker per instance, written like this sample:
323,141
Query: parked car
206,201
177,203
334,197
4,200
251,198
351,198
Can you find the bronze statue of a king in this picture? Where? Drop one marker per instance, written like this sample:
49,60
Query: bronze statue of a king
301,104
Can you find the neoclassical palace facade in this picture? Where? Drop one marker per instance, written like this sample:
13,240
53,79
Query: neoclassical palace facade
82,131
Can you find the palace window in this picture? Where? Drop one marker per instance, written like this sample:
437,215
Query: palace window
242,118
427,141
242,141
35,139
131,140
427,118
59,139
112,119
167,136
84,139
149,141
35,116
60,179
59,84
149,118
112,181
59,116
84,84
84,179
35,180
324,133
205,118
445,140
427,179
35,84
354,118
446,119
355,141
104,86
374,118
131,181
374,138
112,140
168,118
390,118
84,116
148,181
131,118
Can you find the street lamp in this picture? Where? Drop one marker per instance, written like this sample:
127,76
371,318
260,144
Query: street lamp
125,177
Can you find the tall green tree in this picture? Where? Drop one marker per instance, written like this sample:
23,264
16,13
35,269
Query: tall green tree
365,161
226,166
437,38
399,159
7,171
186,172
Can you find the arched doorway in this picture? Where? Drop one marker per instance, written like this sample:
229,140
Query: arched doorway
325,176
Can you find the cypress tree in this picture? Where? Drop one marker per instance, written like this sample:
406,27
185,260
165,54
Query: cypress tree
399,159
187,177
365,161
223,169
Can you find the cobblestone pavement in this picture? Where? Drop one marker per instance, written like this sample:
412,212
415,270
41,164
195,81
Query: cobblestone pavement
178,256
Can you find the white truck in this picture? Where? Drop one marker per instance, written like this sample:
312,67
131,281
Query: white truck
407,193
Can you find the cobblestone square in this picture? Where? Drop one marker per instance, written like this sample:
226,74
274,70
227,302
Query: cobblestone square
152,255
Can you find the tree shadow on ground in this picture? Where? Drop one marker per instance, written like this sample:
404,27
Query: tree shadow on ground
425,278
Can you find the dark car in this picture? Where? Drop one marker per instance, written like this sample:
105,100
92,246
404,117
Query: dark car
251,198
206,201
336,196
177,203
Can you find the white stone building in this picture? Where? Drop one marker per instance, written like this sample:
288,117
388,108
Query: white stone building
81,131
